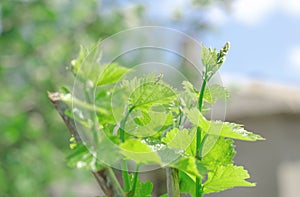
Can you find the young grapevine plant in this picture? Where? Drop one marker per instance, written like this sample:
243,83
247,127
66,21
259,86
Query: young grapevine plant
129,123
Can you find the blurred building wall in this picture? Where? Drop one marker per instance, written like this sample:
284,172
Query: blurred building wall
274,164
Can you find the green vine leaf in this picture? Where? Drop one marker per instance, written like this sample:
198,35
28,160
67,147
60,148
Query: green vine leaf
209,59
190,165
103,100
89,71
219,128
151,93
111,73
190,95
222,153
215,92
213,60
234,131
76,64
144,123
140,152
226,177
178,140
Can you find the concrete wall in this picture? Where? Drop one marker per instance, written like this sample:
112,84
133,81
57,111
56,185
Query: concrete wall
274,164
269,162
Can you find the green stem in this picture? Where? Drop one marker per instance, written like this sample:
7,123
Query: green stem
199,142
136,174
198,187
125,176
200,101
93,117
123,122
173,182
199,156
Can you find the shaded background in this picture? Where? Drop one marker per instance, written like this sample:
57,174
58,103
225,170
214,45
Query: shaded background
38,38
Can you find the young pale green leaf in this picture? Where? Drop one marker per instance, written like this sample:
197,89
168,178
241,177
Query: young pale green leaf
76,64
222,153
189,165
111,73
140,152
86,68
170,136
234,131
152,93
81,157
143,119
169,121
110,98
189,97
179,140
215,92
145,123
219,128
226,177
190,89
196,118
212,60
209,59
142,189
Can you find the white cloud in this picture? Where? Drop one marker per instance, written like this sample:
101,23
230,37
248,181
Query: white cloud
252,12
216,15
294,58
291,7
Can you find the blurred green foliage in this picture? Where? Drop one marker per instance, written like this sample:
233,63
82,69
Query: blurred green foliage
38,38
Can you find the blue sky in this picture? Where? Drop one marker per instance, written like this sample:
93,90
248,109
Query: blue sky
264,34
265,42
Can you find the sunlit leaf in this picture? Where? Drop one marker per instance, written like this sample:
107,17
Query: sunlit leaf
189,165
226,177
215,92
189,97
140,152
89,70
151,93
212,60
111,73
179,140
219,128
222,153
